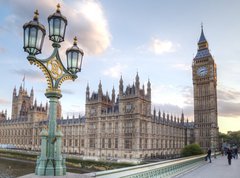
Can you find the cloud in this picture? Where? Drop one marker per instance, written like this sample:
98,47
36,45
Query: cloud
4,102
185,67
159,47
2,50
30,74
68,91
228,108
228,102
114,71
86,20
228,94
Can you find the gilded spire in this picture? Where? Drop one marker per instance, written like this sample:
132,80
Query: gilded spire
58,7
75,41
36,14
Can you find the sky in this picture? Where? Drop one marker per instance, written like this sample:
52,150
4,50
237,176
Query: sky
156,39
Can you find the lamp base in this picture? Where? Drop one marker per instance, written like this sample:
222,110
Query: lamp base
50,167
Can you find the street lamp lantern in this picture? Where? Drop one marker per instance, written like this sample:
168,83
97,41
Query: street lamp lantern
51,162
74,58
57,26
34,33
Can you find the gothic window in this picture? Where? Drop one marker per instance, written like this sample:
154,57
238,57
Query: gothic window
103,126
103,143
116,127
92,143
82,142
116,142
128,144
109,143
145,143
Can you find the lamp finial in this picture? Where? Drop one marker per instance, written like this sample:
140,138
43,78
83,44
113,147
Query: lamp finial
75,41
36,14
58,7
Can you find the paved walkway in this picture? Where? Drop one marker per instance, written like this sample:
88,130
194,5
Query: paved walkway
219,168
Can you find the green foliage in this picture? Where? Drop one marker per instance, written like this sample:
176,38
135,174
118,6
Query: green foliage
232,138
192,149
97,164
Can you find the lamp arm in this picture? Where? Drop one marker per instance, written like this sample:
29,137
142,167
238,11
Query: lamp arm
40,64
64,77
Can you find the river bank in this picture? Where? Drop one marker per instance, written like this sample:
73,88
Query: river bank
74,164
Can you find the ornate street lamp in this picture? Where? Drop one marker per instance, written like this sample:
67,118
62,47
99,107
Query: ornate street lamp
51,162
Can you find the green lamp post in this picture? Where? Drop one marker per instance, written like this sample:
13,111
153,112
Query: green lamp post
50,161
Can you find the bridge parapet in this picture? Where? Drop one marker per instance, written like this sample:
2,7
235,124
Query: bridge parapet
163,169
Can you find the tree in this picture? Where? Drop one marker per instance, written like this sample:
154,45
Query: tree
231,138
192,149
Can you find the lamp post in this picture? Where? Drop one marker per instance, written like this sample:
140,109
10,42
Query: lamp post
51,162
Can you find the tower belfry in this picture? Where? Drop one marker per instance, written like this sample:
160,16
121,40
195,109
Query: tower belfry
204,73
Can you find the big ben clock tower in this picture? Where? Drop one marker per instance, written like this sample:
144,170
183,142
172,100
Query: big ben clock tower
204,72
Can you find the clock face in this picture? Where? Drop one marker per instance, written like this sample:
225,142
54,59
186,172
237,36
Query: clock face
202,71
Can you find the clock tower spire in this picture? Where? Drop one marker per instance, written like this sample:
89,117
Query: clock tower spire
204,73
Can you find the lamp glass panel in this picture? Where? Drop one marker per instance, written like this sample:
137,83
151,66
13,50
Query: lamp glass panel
51,27
74,60
39,39
62,28
56,26
32,37
79,60
26,31
69,60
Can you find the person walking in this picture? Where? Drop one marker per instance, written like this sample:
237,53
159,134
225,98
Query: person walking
209,154
229,156
236,153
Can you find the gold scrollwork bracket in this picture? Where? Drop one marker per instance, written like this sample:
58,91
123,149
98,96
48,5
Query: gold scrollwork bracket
44,70
64,78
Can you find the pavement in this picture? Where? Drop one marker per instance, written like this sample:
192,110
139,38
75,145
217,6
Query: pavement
219,168
68,175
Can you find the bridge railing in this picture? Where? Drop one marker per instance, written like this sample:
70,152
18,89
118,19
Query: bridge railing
163,169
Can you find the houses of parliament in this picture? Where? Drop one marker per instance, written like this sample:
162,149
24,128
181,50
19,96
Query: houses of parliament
122,126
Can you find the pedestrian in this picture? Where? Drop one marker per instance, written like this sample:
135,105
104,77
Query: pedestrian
236,153
222,151
215,155
229,156
209,154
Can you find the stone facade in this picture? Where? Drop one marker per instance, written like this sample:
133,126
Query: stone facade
123,127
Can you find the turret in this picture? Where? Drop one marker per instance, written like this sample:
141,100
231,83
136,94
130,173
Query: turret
143,88
20,91
14,92
163,115
35,104
154,113
149,89
31,97
113,95
6,114
182,117
87,92
159,114
46,106
100,93
137,84
121,87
